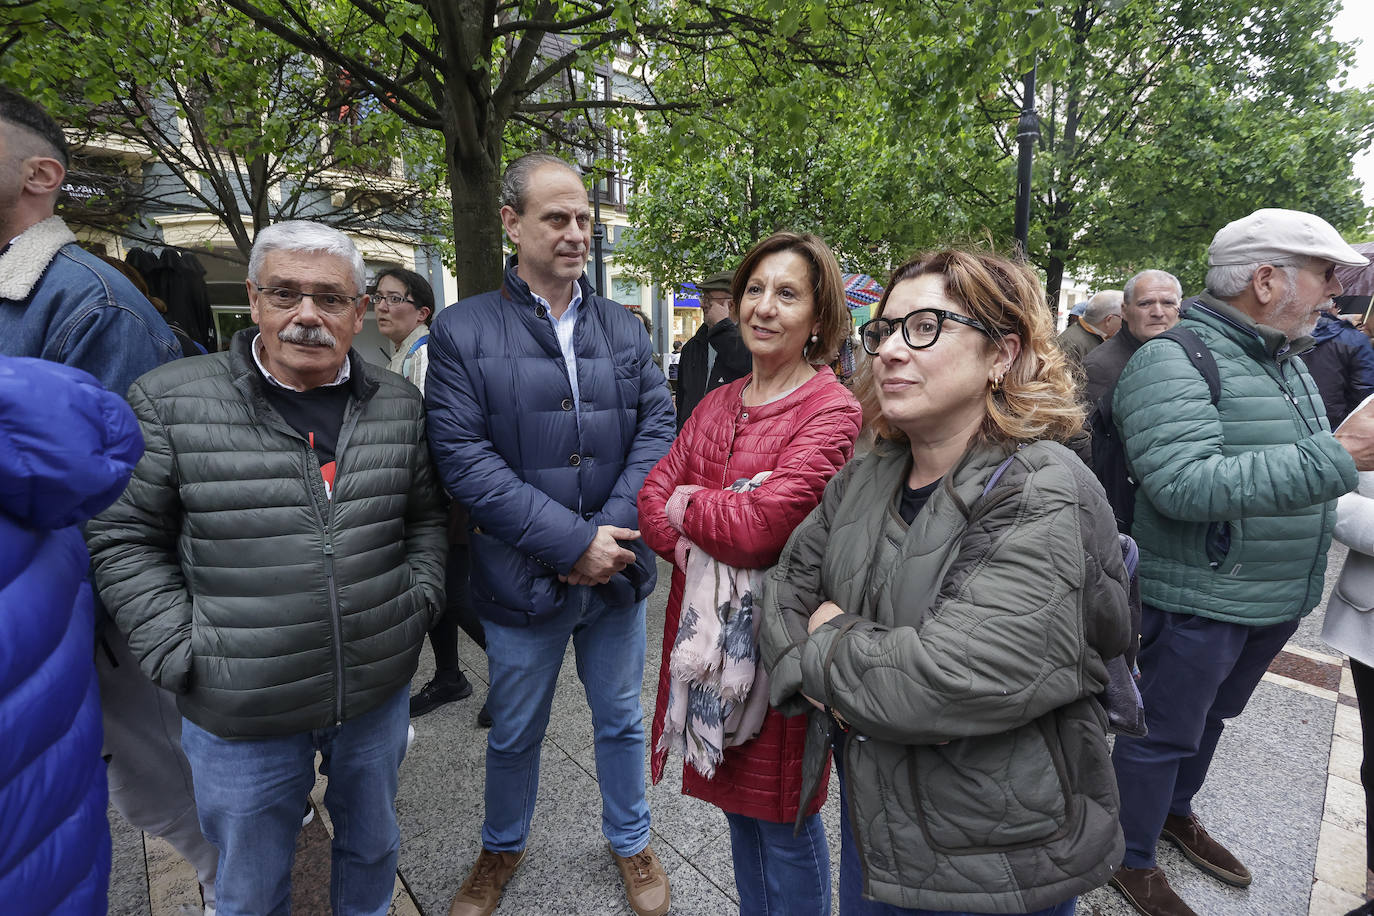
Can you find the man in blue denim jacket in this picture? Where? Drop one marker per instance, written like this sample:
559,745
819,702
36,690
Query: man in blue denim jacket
60,303
57,301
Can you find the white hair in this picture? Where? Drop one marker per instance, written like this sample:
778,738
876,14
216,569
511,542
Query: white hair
1102,306
302,235
1229,281
1161,275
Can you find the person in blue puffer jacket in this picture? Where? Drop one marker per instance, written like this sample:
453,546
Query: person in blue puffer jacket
67,448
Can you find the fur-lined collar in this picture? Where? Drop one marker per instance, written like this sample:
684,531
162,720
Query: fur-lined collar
29,255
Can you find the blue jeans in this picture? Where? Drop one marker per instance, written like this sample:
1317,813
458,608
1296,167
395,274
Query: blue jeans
1195,673
523,663
251,793
852,902
776,873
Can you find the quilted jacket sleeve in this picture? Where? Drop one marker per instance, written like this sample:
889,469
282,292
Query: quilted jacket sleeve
748,530
133,548
1174,441
791,593
1005,643
474,473
666,476
655,425
426,528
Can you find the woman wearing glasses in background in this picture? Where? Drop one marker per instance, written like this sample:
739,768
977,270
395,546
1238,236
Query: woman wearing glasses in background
404,303
949,606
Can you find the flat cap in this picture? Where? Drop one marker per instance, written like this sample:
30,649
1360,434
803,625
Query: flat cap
1272,235
720,282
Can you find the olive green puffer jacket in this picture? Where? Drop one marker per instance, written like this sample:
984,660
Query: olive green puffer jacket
967,664
268,607
1237,499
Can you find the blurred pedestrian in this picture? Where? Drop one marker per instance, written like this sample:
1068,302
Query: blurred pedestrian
1100,320
715,355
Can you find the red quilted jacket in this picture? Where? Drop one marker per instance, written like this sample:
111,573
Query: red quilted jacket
803,439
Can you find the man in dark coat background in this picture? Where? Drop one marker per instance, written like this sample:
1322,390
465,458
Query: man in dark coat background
716,354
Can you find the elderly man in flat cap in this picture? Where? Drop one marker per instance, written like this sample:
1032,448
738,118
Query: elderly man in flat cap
1233,517
716,354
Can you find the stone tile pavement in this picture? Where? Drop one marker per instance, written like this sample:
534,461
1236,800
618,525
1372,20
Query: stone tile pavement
1284,794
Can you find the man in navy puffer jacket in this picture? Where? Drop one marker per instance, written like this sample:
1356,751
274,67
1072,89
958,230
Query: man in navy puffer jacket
67,447
546,413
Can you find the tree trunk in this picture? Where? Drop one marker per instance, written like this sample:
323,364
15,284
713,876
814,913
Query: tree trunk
475,188
1054,279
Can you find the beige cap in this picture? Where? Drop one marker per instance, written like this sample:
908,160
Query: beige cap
1271,235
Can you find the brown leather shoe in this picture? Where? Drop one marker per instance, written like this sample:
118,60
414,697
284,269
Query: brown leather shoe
646,883
1188,834
1149,892
481,892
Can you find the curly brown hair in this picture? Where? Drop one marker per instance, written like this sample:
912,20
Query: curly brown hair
1037,398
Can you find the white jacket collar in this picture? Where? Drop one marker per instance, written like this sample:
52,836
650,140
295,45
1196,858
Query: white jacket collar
29,255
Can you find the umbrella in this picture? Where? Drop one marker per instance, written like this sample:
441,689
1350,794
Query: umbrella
1358,296
1358,281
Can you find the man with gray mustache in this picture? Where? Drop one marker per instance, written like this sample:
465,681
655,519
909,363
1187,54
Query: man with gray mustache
276,562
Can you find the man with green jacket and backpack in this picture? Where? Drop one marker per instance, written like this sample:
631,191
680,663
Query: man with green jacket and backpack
1233,516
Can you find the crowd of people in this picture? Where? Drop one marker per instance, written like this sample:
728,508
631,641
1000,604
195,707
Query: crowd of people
950,581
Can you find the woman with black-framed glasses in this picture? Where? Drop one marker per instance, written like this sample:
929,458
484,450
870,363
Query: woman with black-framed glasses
948,608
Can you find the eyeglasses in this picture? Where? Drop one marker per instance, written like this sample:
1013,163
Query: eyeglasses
920,329
392,299
285,299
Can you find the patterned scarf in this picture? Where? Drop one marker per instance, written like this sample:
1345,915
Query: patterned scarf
718,696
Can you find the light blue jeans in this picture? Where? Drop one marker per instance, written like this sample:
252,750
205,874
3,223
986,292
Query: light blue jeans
523,663
776,873
251,794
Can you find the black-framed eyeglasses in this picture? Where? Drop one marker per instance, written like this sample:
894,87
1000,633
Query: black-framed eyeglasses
920,329
286,299
391,299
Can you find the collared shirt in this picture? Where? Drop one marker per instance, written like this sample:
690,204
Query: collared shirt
564,326
343,376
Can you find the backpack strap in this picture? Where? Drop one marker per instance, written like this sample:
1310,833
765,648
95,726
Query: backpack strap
418,344
1201,358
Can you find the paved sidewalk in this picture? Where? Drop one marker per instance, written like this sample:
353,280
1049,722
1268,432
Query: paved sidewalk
1284,794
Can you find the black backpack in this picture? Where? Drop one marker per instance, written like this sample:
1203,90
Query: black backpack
1109,453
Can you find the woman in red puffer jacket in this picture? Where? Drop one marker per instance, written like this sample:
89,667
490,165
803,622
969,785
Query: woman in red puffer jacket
750,464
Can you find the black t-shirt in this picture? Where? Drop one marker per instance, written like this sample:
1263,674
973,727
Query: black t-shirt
317,415
913,501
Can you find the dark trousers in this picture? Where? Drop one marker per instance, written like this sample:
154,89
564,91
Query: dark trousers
1364,692
458,612
1195,673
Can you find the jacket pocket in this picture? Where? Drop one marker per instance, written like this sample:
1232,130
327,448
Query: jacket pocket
993,793
1222,546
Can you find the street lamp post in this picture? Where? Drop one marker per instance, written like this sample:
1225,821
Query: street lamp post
1027,132
598,235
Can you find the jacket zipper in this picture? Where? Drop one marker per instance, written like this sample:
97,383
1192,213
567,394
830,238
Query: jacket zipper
335,622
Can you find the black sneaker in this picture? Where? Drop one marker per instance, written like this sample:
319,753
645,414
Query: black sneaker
484,717
438,692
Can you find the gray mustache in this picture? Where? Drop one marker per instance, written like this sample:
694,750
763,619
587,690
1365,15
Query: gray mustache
310,337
